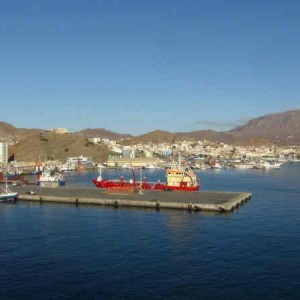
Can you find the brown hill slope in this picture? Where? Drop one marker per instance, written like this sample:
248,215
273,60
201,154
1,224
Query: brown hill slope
165,136
159,136
211,135
156,136
281,128
103,133
8,131
49,146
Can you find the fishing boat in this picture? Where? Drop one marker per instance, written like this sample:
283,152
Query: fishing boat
178,178
9,178
7,195
51,179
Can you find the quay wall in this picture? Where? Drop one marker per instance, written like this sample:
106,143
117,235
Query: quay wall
192,201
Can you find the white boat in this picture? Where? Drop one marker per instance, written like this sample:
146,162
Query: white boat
216,166
51,179
150,167
67,168
244,166
126,166
7,195
271,165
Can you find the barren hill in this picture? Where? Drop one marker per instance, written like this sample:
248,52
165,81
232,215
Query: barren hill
166,136
47,146
8,131
158,136
281,128
155,136
103,133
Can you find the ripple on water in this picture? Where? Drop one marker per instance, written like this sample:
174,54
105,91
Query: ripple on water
61,251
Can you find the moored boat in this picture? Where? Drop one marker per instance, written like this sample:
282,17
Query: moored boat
7,195
51,179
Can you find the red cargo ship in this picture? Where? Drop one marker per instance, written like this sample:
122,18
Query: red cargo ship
178,179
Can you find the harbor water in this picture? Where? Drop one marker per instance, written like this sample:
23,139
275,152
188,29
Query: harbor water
57,251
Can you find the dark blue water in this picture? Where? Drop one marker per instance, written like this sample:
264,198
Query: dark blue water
61,251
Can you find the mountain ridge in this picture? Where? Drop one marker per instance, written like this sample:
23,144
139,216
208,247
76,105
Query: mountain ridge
280,129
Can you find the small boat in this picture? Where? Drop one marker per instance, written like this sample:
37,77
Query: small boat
244,166
51,179
216,166
67,168
271,165
150,167
7,195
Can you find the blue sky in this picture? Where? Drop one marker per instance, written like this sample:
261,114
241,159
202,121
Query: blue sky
133,66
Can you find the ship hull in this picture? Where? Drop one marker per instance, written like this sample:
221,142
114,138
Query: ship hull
145,185
8,197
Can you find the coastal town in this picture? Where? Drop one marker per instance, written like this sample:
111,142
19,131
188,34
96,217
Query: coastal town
201,154
150,149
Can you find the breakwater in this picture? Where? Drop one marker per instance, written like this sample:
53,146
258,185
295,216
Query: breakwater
193,201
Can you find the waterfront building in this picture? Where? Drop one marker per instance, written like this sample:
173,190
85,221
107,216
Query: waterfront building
128,153
115,162
3,153
79,160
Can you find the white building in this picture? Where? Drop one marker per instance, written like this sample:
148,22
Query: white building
60,130
128,153
3,153
79,160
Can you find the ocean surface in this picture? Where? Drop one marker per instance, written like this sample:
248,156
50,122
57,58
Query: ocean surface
57,251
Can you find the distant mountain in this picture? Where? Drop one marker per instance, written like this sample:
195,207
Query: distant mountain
280,128
210,135
165,136
103,133
155,136
8,131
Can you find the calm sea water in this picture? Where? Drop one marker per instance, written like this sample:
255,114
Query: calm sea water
61,251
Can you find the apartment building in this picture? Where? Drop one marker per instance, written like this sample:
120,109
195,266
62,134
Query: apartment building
3,152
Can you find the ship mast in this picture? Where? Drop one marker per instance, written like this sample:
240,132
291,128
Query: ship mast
100,174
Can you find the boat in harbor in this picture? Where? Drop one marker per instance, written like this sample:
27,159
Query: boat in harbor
271,165
7,195
51,179
177,178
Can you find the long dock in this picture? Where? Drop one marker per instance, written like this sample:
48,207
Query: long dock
192,201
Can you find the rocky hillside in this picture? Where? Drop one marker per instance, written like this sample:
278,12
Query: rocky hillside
210,135
10,132
48,146
281,128
103,133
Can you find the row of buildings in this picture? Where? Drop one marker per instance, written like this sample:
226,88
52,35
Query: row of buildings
151,155
157,153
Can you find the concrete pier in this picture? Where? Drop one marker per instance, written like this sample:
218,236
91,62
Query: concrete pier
193,201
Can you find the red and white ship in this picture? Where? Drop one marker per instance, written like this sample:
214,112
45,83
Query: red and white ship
178,179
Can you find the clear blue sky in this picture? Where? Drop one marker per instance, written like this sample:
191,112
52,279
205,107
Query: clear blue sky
133,66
